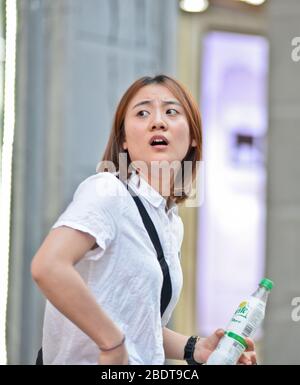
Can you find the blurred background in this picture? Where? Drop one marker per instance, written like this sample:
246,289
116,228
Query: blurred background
64,64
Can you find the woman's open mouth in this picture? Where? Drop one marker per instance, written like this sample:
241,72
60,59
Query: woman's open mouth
159,142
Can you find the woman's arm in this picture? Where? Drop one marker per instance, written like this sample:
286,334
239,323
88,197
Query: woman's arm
174,344
53,270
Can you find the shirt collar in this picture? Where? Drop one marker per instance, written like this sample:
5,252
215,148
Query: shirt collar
142,188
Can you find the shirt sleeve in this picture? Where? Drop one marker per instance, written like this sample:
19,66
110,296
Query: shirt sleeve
95,208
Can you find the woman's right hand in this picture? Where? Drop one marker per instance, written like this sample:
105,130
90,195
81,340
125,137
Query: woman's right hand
118,356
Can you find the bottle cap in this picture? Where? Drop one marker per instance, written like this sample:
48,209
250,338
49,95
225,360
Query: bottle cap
267,283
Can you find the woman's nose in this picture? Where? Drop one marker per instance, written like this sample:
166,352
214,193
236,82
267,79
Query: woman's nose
158,122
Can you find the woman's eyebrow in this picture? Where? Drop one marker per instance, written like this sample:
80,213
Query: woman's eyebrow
164,102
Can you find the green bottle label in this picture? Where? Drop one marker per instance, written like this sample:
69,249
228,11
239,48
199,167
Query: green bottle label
242,310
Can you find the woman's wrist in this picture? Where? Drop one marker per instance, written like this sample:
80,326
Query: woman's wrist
198,351
189,350
113,347
109,336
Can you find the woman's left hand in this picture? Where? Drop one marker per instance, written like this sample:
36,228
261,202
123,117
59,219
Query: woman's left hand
249,355
205,346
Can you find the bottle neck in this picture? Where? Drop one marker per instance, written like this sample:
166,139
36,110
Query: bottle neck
261,293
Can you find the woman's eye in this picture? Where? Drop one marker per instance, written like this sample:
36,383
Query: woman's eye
170,111
173,111
143,113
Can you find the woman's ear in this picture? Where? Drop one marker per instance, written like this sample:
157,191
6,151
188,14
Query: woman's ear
125,146
194,144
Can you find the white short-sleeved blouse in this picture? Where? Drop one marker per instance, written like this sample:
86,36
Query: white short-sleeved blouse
123,273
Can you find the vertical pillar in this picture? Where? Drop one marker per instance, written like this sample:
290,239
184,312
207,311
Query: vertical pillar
283,204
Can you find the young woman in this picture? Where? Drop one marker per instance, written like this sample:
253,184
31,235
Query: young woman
98,267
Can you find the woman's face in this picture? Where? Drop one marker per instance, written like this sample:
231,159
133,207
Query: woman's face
155,112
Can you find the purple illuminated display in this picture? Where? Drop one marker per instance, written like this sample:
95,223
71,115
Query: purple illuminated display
231,240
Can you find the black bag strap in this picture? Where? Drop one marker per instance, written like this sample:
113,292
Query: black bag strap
166,291
39,358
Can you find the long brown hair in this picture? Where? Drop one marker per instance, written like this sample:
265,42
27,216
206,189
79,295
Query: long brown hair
117,136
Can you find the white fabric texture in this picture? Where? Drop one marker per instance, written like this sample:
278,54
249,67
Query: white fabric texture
123,273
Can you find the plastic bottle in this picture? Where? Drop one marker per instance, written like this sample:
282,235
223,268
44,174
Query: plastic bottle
244,323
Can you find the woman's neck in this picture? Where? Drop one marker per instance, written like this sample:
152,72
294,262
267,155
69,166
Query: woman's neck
158,181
